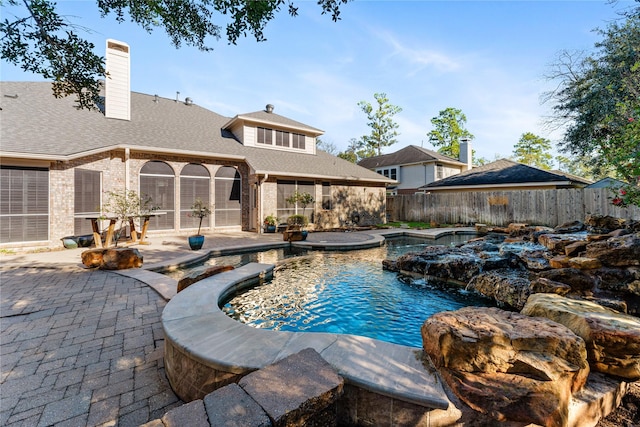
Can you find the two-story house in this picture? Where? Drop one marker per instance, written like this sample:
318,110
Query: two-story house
415,166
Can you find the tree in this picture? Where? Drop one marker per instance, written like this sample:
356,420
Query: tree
327,146
45,43
356,151
598,100
383,128
449,130
579,166
533,150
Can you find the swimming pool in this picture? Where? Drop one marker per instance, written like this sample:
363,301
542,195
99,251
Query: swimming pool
350,293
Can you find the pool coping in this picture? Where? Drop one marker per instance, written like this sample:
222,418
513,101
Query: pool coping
195,325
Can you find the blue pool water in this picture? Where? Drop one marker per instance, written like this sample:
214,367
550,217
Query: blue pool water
349,293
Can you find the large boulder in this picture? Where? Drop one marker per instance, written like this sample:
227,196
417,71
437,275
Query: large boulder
507,365
616,252
509,288
112,258
457,265
612,339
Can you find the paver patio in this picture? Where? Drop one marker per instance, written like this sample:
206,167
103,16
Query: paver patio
80,347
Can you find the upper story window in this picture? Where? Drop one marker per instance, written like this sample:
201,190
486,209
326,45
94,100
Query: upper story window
265,136
439,171
282,138
389,173
297,141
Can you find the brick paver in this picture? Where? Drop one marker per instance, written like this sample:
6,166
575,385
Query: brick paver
80,347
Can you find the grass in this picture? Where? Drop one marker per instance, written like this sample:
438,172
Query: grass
411,224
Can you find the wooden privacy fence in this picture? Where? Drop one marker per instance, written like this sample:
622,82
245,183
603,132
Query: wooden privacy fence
499,208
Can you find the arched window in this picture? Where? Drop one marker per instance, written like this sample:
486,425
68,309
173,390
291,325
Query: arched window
157,180
228,195
194,184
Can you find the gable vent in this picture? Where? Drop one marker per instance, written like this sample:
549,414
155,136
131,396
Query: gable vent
117,82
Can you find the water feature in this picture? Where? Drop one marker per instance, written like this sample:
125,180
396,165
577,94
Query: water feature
350,293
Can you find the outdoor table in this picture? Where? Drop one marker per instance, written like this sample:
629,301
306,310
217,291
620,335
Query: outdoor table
97,238
143,232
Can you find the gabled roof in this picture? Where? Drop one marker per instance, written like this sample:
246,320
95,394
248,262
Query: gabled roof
505,172
407,156
271,119
35,125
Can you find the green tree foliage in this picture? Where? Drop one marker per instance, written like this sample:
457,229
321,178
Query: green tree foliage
598,99
533,150
383,127
356,151
45,43
448,130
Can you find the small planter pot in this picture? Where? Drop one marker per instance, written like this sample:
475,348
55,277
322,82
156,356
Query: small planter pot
69,242
196,242
270,229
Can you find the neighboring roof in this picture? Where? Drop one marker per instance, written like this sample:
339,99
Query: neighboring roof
409,155
272,118
505,172
35,125
607,182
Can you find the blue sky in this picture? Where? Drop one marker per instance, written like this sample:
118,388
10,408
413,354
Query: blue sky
487,58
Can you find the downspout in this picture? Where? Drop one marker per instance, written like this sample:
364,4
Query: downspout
127,155
261,210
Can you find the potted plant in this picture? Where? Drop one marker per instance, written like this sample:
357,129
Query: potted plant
270,223
123,205
200,210
296,228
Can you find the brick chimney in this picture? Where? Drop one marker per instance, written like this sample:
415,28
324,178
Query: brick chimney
117,103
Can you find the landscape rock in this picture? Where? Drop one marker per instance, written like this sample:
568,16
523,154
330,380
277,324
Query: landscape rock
603,224
574,249
121,259
542,285
577,279
201,273
557,242
507,365
584,263
507,287
612,339
440,262
616,252
569,227
112,258
560,261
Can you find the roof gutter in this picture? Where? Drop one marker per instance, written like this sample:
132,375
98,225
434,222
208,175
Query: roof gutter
492,186
131,148
306,175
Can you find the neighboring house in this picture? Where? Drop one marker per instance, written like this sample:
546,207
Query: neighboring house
415,166
607,182
506,174
58,162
